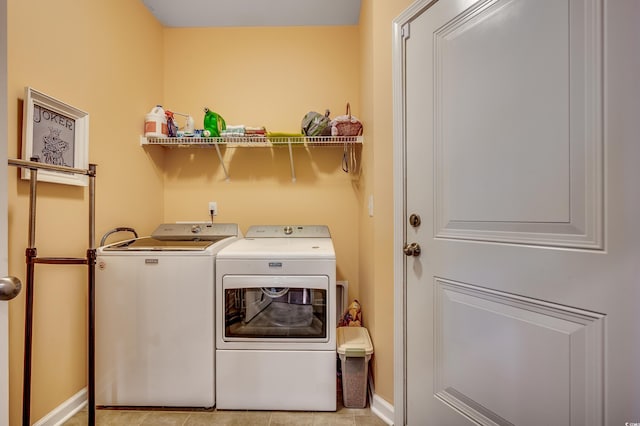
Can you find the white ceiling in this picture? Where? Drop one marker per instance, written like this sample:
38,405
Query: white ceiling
254,13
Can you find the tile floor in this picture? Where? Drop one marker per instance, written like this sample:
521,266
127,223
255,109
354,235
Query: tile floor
342,417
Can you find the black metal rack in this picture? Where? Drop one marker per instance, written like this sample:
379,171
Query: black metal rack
32,259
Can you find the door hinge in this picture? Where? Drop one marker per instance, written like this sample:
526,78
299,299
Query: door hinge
404,31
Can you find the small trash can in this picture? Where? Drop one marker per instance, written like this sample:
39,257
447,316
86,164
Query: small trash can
354,349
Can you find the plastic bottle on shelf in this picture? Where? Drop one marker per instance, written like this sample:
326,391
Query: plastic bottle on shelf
214,123
155,123
189,126
172,127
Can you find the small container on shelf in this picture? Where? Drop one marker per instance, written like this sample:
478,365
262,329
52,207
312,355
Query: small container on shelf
155,123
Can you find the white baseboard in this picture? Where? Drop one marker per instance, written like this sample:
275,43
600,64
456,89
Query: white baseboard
64,411
379,406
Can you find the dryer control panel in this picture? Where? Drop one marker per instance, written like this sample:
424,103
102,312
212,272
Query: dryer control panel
288,231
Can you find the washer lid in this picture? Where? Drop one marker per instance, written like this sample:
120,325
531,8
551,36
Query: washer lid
153,244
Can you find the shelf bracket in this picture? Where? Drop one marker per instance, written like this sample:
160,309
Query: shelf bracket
293,170
224,168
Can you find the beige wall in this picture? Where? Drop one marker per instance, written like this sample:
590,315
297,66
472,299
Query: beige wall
115,61
265,77
104,58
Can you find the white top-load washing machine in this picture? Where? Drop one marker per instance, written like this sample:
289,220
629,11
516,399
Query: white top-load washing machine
155,317
276,320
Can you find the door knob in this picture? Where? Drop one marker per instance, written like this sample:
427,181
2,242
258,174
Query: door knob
9,288
412,249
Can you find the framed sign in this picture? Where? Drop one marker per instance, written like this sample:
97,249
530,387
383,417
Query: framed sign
55,133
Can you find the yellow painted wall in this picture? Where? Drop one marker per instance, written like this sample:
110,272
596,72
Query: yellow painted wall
376,233
105,58
115,61
270,77
366,223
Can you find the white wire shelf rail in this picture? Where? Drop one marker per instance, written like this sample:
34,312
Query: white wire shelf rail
256,141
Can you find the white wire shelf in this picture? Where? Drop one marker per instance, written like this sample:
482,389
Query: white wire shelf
246,141
255,142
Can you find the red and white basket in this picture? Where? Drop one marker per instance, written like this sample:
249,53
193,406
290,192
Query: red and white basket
346,125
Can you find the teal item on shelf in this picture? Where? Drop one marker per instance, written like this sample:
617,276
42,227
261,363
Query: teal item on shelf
214,123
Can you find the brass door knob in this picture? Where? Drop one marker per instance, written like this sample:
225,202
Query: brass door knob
412,249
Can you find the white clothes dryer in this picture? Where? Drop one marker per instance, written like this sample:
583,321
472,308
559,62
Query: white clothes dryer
155,317
276,320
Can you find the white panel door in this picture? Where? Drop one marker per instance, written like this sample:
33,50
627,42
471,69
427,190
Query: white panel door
4,308
518,130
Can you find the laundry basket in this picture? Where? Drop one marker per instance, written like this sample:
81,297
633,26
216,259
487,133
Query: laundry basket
354,349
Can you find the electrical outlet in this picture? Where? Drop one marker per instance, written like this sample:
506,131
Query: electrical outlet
213,208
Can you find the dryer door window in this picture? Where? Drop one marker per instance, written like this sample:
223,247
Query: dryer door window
276,307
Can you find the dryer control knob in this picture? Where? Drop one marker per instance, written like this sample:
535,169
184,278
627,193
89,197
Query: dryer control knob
288,230
195,229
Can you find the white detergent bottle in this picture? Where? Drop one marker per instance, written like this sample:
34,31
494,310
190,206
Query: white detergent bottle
189,126
155,123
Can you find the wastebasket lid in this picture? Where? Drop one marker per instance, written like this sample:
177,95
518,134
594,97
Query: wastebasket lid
352,340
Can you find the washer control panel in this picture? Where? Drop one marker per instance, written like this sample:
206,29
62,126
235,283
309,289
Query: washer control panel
199,231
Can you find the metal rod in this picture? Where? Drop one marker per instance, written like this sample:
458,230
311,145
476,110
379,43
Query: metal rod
32,208
35,165
28,339
92,206
31,254
28,315
91,341
91,263
61,260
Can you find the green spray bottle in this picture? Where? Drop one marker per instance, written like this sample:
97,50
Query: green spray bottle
213,123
